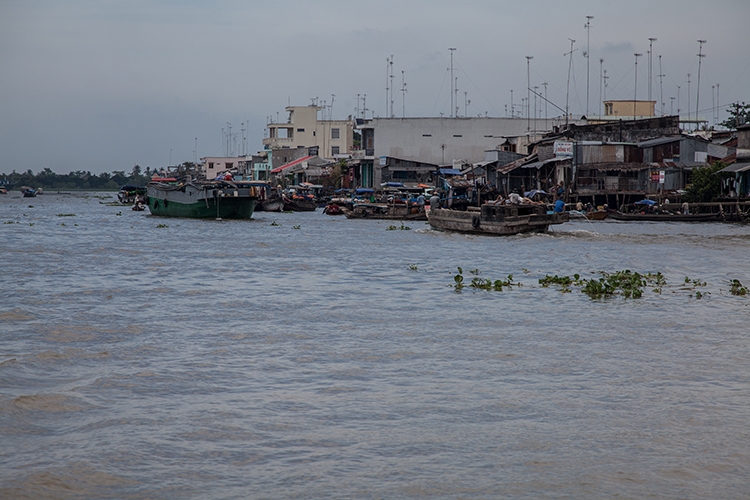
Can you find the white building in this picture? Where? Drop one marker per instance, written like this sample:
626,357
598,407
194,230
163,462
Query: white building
407,149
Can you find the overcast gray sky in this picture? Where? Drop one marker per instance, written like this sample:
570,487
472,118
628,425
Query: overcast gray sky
103,85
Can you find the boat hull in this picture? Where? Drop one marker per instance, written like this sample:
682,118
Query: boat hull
496,220
386,212
202,201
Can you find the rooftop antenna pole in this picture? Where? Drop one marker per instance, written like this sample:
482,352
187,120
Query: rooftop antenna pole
545,105
528,91
718,103
456,91
678,101
635,91
605,78
466,104
701,55
512,108
650,59
601,68
452,49
391,66
688,99
567,91
661,89
387,81
403,95
588,54
713,105
671,105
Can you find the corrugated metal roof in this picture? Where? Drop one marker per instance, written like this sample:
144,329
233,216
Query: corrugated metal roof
658,142
737,167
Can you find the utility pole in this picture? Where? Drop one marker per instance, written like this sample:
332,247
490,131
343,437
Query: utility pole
701,55
452,49
588,57
528,91
635,92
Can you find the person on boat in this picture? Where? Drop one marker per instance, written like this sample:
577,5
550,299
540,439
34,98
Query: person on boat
686,208
434,202
499,200
559,206
514,198
579,206
421,200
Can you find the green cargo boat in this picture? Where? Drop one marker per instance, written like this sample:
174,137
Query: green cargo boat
202,199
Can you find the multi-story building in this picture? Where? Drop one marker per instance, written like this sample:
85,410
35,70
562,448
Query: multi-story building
409,149
303,129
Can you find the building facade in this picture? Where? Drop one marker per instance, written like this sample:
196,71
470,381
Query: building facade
303,129
409,148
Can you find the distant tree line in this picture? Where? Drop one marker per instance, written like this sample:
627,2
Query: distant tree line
79,179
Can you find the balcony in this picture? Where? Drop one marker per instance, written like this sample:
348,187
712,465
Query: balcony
274,142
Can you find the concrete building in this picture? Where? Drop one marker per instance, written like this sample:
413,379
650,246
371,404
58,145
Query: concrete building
408,149
303,129
629,108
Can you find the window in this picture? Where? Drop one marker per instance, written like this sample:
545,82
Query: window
300,130
457,135
426,135
334,150
334,133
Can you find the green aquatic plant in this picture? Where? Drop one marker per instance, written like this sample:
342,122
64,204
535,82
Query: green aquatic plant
274,223
161,226
736,288
296,227
413,267
398,228
66,215
482,283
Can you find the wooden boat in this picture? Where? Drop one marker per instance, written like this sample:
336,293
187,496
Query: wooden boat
28,192
220,199
386,211
666,217
497,219
128,194
597,215
299,204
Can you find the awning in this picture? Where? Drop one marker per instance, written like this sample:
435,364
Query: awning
737,167
540,164
290,164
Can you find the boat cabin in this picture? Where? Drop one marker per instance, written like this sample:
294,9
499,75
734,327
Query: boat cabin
498,213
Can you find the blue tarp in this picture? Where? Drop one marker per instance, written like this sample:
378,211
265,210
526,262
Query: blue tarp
645,202
394,184
365,191
533,192
449,171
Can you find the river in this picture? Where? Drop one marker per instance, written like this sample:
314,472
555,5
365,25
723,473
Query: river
300,355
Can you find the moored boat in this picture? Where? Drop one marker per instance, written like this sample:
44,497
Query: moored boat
28,192
666,217
128,193
386,211
220,199
496,219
